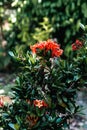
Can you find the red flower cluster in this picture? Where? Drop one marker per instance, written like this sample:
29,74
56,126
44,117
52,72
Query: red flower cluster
46,46
77,45
40,103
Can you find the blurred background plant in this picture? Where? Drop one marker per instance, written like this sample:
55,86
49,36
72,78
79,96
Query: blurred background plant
22,22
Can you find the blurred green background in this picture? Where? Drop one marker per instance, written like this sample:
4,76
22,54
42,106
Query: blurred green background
24,22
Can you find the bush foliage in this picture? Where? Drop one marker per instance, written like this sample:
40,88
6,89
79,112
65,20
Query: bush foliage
46,86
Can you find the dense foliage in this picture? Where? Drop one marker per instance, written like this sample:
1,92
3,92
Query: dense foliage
46,86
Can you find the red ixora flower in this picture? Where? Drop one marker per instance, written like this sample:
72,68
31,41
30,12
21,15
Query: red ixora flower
40,103
46,46
77,45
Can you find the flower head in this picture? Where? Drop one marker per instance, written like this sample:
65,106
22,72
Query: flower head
46,46
77,45
40,103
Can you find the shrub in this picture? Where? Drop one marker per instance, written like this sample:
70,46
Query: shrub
45,90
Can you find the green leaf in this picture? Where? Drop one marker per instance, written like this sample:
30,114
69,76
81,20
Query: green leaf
59,120
11,53
16,126
82,26
51,119
76,77
84,9
12,126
